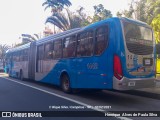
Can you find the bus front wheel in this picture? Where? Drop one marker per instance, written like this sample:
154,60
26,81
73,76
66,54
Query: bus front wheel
65,83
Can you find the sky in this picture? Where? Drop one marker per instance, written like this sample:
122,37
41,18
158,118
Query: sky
28,16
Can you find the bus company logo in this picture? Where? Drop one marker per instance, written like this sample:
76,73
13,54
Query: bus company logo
6,114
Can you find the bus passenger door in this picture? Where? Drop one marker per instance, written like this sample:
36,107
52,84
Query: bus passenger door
39,60
32,57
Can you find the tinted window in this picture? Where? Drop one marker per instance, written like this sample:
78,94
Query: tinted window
48,51
21,55
101,40
25,55
57,52
138,38
85,44
69,47
40,52
16,56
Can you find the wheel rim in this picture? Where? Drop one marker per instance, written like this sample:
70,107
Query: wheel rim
66,84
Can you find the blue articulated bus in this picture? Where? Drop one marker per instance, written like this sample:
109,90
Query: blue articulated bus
116,53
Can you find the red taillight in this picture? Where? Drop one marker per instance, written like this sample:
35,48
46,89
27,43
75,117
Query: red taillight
117,68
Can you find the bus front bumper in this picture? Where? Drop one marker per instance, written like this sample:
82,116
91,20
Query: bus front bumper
130,84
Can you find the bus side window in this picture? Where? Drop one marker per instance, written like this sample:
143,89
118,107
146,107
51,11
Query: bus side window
65,47
69,47
48,51
16,57
101,40
85,44
25,57
90,43
81,49
57,51
40,52
21,54
13,56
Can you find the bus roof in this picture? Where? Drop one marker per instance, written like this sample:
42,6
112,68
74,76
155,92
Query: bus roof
25,46
58,35
135,21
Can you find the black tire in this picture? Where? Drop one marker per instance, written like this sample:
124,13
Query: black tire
65,84
21,76
9,74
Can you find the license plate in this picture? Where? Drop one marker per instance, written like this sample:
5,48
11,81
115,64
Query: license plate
147,61
131,84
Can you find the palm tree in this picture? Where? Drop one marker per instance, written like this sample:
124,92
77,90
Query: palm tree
3,49
56,5
64,22
30,38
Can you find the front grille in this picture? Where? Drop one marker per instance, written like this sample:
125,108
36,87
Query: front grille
139,49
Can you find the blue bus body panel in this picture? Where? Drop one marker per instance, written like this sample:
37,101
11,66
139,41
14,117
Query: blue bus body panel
88,72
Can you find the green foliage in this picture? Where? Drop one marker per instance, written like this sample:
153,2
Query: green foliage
65,21
147,11
137,10
56,5
140,11
76,19
143,10
3,49
152,9
158,48
156,27
84,20
119,14
100,13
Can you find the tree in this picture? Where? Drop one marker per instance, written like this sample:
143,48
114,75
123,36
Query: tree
56,5
156,27
143,10
72,20
30,38
100,13
137,10
153,9
26,38
64,22
119,14
3,49
158,48
140,12
84,19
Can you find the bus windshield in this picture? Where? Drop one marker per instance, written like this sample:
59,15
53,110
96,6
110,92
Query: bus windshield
134,32
139,39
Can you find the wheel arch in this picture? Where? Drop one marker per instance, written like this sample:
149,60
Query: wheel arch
64,72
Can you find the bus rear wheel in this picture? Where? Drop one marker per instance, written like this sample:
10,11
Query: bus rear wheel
65,84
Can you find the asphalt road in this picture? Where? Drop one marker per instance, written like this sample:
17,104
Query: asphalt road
16,95
21,96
